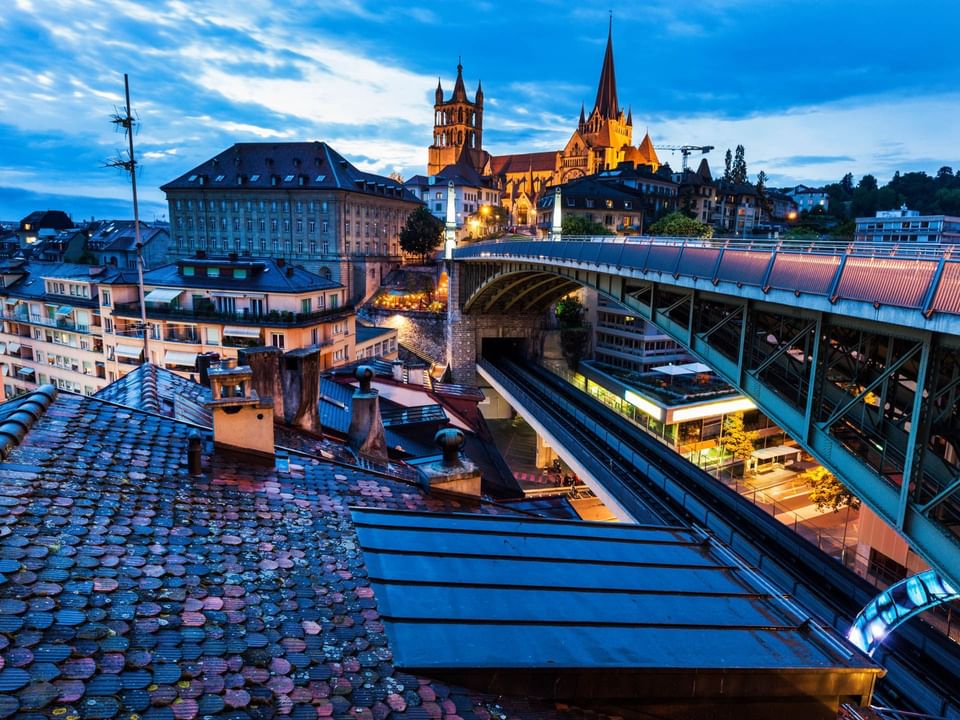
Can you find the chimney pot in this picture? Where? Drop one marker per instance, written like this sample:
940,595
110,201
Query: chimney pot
364,375
450,442
280,262
194,446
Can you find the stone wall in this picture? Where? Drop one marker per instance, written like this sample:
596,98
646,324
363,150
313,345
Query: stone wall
426,332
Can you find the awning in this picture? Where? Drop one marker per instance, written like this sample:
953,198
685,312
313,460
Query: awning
63,310
178,357
244,332
13,347
162,295
673,370
25,372
130,351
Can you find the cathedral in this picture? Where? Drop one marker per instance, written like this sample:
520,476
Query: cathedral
603,139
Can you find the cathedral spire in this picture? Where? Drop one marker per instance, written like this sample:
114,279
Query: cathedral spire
606,103
459,91
583,119
439,94
630,117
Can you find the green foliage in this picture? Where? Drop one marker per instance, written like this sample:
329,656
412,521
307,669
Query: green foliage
738,172
579,225
569,312
826,492
422,232
676,224
737,440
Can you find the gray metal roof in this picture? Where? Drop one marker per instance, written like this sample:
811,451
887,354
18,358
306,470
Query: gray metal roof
552,595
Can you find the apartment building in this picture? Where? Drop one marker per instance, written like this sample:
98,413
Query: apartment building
220,305
52,331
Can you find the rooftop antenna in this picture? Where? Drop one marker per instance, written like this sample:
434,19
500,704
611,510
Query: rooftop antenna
125,120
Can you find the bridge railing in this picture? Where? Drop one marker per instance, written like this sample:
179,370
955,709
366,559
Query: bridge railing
825,247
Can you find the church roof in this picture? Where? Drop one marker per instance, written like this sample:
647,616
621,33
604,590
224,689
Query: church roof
524,162
647,155
606,102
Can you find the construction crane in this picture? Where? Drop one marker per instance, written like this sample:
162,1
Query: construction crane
685,150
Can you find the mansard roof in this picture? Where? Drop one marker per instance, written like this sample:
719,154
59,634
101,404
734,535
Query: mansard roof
286,166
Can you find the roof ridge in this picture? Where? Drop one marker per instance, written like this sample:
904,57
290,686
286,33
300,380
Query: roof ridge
151,395
29,409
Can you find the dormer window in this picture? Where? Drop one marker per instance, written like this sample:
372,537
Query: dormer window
213,272
189,271
239,273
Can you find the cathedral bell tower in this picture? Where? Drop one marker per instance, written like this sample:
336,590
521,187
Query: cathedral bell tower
457,128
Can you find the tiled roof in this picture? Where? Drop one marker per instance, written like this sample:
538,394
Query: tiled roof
121,235
291,166
371,332
18,416
159,390
524,162
129,587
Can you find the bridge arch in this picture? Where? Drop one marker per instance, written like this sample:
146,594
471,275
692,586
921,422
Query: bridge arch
897,604
832,347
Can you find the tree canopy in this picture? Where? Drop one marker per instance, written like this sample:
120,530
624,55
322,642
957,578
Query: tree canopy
579,225
737,440
676,224
421,233
826,492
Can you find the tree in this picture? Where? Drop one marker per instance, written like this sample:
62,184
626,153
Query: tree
569,312
574,337
676,224
739,171
421,233
579,225
727,165
867,182
762,182
846,185
737,440
826,492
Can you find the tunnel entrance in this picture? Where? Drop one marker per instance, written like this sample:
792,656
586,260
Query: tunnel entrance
500,348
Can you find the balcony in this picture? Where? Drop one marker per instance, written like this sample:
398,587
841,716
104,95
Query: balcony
274,318
57,323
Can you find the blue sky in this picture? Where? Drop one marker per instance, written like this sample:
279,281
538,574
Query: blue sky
813,89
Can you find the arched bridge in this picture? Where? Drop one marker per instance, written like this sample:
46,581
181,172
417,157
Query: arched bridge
833,343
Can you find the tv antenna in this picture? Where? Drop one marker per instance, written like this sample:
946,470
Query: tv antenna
126,121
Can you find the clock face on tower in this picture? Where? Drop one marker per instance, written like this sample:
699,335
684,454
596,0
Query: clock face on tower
572,174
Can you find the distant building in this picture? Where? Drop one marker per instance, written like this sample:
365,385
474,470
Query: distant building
376,342
221,304
66,246
783,208
472,193
114,243
697,192
905,225
300,201
623,340
809,199
617,206
42,224
737,209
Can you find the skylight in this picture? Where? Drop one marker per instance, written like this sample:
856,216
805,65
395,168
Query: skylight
192,178
254,178
321,178
288,178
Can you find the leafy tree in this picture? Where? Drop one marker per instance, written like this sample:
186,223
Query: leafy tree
579,225
727,165
826,492
846,185
867,182
676,224
737,440
421,233
948,201
569,312
944,173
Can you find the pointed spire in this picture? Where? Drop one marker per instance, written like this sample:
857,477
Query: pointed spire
459,91
607,90
646,155
439,94
630,117
479,96
583,119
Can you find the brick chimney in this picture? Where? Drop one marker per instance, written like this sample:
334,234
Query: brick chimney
241,420
453,473
366,434
300,378
265,363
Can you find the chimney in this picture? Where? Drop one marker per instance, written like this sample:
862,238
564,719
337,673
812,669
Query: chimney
280,262
242,421
204,362
366,434
397,368
300,379
453,473
264,362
